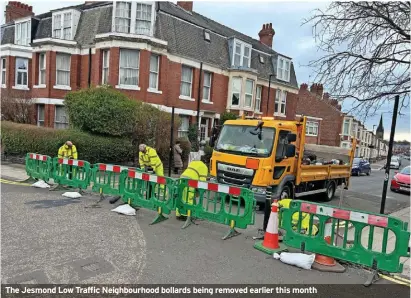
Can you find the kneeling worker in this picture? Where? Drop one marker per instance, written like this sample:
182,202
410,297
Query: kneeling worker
196,170
68,150
148,158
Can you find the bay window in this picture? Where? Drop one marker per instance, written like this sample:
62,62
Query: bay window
63,69
105,68
61,118
42,69
283,69
154,70
22,72
186,81
207,86
235,91
248,98
129,67
22,33
280,102
258,93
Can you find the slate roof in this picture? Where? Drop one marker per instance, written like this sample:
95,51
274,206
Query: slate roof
184,32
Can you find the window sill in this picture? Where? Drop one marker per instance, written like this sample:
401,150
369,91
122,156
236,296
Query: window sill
307,135
3,86
207,102
183,97
154,91
128,87
258,112
21,88
279,115
60,87
39,86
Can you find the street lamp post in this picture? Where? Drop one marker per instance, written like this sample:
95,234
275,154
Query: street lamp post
390,145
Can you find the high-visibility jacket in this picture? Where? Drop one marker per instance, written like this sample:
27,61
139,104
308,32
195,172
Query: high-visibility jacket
67,152
196,170
150,159
305,222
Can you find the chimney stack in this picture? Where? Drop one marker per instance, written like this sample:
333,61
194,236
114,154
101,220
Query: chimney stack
317,90
187,5
266,35
16,10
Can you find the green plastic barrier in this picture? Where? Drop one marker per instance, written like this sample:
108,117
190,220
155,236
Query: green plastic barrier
39,166
368,254
148,191
71,172
218,203
106,178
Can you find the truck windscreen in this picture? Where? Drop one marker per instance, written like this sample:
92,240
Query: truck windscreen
238,139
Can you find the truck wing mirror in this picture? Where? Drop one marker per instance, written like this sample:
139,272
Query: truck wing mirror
291,137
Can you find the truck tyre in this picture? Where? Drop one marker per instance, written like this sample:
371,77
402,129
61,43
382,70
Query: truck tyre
286,192
329,193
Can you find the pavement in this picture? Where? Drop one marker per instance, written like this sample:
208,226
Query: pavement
51,239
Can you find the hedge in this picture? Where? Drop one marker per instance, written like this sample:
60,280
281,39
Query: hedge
19,139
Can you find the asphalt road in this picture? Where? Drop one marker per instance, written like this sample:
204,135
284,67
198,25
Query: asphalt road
50,239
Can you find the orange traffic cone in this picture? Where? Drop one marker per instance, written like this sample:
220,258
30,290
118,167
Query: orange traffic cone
271,244
325,263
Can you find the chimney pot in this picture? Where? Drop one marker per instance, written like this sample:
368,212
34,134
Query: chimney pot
304,86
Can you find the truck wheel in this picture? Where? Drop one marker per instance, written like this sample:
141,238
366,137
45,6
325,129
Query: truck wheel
285,192
329,193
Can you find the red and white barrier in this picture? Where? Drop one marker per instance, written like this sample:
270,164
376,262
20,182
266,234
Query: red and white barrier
146,177
111,168
236,191
71,162
38,156
373,220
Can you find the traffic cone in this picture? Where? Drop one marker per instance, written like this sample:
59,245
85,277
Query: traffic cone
271,244
325,263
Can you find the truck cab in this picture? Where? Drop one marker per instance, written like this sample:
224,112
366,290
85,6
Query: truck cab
262,153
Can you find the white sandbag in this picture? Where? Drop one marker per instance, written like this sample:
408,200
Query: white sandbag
72,195
297,259
40,184
125,209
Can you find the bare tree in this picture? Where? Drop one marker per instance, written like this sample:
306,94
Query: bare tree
17,106
366,48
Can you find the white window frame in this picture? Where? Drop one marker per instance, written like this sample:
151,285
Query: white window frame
239,92
249,94
73,18
282,72
132,87
157,72
60,122
258,98
133,17
65,70
3,73
105,69
24,71
207,86
313,126
280,101
42,68
38,114
183,132
18,30
243,46
191,82
344,132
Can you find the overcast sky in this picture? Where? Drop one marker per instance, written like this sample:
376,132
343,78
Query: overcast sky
291,38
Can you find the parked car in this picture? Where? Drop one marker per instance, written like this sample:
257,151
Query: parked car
401,180
360,166
397,158
395,163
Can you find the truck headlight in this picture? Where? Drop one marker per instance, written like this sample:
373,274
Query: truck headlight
260,190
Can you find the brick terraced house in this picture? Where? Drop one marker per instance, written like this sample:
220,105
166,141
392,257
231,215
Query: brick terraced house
151,51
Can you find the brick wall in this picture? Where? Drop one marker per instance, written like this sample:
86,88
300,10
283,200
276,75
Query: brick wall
309,104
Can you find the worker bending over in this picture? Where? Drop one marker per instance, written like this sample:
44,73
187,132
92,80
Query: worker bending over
68,150
196,170
148,158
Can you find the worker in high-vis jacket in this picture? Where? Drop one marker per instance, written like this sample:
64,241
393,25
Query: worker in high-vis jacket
148,158
68,150
196,170
305,222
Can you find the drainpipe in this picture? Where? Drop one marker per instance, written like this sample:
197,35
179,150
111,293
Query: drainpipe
198,98
89,67
268,96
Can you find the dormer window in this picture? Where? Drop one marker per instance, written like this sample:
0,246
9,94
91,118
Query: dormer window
22,33
65,24
283,69
241,54
133,17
